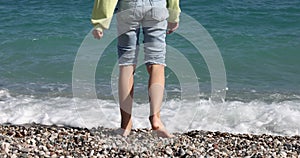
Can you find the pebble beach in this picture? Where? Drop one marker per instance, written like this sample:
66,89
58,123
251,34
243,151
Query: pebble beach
36,140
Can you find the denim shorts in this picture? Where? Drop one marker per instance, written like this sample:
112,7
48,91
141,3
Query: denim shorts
148,16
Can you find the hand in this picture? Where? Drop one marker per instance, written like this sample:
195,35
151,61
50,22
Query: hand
172,27
97,34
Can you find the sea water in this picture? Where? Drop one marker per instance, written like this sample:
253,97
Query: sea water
259,42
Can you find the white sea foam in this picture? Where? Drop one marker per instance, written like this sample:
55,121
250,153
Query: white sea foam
254,117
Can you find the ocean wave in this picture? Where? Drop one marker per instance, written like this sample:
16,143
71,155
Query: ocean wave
255,117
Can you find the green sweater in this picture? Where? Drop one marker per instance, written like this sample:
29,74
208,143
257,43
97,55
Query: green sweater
104,9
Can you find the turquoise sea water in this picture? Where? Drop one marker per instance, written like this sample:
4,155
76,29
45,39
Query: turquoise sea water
259,42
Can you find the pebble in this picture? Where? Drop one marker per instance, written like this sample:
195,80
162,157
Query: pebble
189,152
14,156
5,147
181,152
36,140
169,151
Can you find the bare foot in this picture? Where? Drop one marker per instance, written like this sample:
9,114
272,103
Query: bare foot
122,132
158,127
125,129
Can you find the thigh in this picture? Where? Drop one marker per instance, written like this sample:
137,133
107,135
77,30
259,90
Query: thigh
128,47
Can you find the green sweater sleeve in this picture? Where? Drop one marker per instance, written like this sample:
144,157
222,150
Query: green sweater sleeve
104,9
102,13
174,10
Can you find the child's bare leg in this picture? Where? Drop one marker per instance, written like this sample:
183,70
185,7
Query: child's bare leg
156,91
126,80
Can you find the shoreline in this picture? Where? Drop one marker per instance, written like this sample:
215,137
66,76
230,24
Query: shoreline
29,140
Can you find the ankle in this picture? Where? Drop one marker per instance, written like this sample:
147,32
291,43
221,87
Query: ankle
154,117
155,122
126,124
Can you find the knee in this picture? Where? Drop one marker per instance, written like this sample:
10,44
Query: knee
155,68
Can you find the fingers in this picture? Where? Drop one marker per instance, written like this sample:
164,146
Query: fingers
170,31
97,34
172,27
